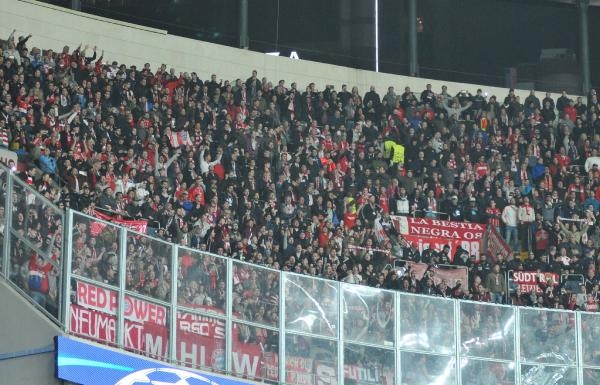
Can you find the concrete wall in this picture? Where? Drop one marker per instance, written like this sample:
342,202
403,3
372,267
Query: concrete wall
24,328
54,27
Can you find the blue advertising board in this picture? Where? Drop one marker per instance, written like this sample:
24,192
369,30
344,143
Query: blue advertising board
88,364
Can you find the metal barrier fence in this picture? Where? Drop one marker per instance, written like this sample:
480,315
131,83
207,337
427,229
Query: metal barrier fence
200,310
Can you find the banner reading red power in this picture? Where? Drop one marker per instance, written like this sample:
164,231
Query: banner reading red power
200,339
435,233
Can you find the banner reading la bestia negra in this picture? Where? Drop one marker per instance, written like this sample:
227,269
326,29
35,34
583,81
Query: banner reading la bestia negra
436,233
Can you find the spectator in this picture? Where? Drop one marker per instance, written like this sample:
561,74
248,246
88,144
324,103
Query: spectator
510,217
287,179
495,283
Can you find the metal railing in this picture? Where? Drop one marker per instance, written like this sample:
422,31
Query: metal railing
204,311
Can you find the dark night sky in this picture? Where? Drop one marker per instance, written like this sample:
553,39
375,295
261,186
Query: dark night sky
463,40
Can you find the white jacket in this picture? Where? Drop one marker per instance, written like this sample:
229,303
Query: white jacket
527,214
510,216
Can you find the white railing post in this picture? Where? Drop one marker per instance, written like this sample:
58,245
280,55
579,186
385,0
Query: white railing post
397,337
282,355
64,305
174,296
579,347
457,344
517,344
228,320
122,285
8,211
340,334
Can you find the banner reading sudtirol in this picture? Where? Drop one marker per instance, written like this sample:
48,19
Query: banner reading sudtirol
530,280
438,232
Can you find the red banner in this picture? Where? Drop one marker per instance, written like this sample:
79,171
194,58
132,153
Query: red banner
451,275
373,374
438,232
271,366
200,339
299,371
495,244
136,225
528,280
105,300
147,338
437,244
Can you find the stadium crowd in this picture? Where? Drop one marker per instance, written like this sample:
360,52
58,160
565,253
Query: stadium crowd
296,178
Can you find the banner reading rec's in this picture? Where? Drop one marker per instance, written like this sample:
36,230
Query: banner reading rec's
437,233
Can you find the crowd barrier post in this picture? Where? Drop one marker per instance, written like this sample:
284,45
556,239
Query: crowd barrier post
229,313
64,306
457,342
340,334
174,303
8,204
282,356
517,356
579,347
397,336
508,274
120,340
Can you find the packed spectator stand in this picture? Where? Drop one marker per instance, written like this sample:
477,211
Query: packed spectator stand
298,179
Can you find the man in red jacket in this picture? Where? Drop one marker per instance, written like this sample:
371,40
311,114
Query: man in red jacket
570,111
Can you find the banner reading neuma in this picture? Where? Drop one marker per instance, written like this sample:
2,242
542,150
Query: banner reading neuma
437,233
528,280
200,339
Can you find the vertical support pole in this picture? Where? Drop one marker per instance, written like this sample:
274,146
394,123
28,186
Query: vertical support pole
398,336
377,35
76,5
122,285
457,343
174,294
345,16
579,347
8,211
244,40
229,313
517,355
64,304
282,355
584,48
340,333
412,39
